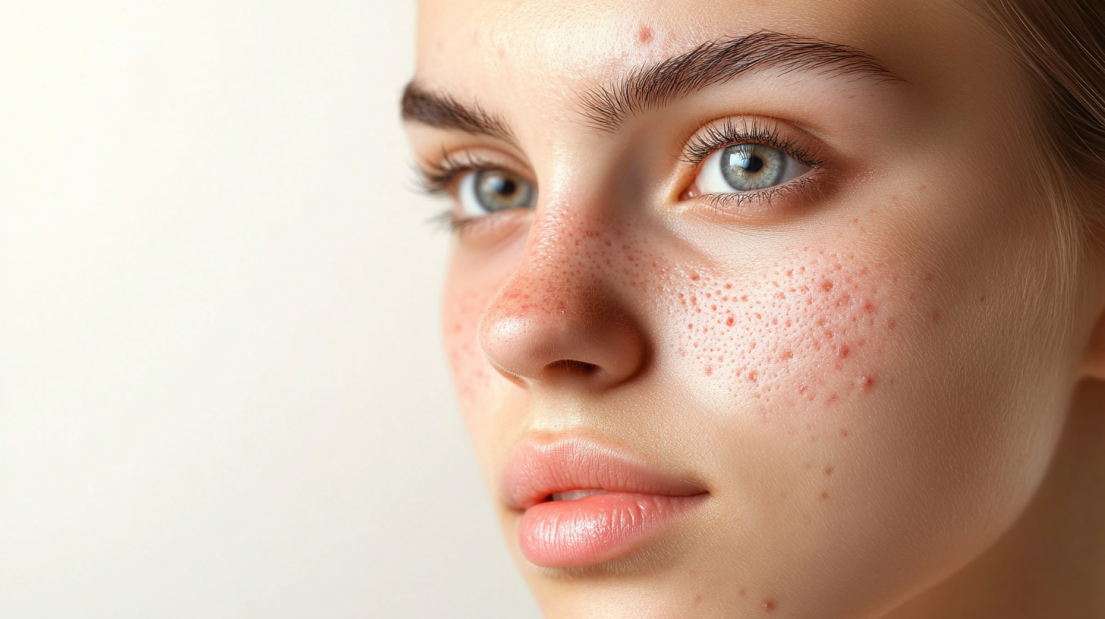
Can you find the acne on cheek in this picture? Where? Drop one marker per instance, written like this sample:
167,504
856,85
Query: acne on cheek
809,328
472,374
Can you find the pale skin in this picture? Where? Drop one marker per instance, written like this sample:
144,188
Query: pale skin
885,376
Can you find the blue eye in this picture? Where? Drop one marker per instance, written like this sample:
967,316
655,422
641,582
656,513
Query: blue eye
483,192
747,167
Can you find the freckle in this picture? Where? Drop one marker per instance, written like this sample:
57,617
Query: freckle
936,317
753,376
729,321
769,605
982,299
728,286
824,496
744,297
713,307
828,470
709,370
694,276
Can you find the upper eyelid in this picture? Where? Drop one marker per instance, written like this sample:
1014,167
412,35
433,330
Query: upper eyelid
436,174
720,134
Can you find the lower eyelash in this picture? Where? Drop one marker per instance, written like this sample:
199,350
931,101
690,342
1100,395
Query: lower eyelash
764,197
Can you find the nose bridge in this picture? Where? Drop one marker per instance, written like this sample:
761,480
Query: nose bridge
559,315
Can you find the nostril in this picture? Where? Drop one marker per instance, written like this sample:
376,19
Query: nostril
571,367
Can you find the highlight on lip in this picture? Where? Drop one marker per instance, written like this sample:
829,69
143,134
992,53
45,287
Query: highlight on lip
584,504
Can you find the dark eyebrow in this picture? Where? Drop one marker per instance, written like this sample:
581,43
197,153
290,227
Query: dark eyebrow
655,85
439,110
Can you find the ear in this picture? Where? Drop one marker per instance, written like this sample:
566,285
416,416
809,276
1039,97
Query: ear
1093,361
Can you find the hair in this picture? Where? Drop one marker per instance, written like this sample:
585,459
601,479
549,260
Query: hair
1060,44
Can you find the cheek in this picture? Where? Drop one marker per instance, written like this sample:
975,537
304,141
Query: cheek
463,305
811,328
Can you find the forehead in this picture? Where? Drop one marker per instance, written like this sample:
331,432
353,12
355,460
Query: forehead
535,53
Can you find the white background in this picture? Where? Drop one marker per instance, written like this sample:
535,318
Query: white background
221,393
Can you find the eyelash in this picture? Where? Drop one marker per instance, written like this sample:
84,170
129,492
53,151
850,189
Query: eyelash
718,137
437,177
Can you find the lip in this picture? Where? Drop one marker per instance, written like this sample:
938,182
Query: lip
639,502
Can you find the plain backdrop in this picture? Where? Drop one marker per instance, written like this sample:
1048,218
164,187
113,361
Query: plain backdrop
221,391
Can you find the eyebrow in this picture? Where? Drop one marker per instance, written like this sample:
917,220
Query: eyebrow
436,109
653,86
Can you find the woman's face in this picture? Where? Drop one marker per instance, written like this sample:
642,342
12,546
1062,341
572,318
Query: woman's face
789,299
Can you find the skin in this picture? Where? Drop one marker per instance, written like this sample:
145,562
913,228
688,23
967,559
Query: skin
880,380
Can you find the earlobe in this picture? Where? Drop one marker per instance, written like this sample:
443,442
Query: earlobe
1093,360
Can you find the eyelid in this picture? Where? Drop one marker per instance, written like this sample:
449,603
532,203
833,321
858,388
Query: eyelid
438,176
769,132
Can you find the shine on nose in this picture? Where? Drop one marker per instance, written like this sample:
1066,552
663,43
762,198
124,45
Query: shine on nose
559,320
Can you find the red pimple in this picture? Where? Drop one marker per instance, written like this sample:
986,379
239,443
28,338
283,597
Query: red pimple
729,321
826,286
709,370
865,382
769,605
844,351
644,35
829,470
694,276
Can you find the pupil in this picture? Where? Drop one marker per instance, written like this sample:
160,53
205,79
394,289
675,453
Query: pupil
755,164
507,187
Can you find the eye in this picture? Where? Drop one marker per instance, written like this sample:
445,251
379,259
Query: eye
483,192
746,167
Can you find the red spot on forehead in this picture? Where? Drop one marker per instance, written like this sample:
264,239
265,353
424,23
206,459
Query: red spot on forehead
644,35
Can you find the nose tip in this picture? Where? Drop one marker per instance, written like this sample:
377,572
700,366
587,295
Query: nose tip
586,341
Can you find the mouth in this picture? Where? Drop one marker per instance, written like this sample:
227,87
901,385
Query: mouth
582,504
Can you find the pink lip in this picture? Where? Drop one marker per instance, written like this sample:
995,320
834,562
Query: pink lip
638,502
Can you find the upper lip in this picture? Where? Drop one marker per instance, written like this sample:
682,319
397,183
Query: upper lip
534,471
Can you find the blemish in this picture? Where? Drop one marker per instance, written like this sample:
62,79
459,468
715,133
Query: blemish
769,605
828,470
843,352
845,432
982,300
808,465
698,599
694,276
743,592
865,382
826,286
824,496
644,35
729,321
709,370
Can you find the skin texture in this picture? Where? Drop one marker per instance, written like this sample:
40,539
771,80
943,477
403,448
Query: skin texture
870,374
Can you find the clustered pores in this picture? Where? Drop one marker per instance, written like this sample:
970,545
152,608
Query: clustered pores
807,326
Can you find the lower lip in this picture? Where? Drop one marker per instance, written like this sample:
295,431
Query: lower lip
598,528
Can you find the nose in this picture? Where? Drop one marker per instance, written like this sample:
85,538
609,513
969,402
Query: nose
560,319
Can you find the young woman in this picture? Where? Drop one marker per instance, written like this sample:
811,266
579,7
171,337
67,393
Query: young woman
779,307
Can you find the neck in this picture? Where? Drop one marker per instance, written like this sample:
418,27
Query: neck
1051,563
